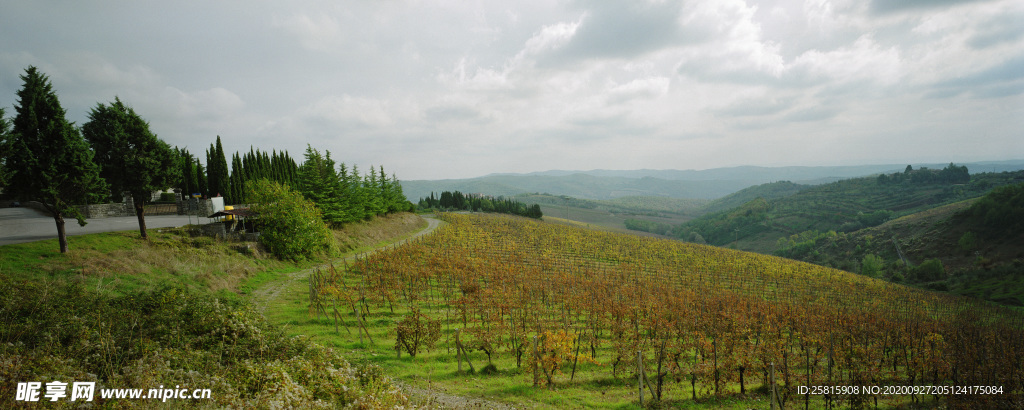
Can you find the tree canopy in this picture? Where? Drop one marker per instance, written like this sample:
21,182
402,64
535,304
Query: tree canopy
5,147
132,159
49,162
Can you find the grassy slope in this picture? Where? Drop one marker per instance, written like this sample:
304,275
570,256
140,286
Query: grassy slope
110,267
612,213
436,369
119,262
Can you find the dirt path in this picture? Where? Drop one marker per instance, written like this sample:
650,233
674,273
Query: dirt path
436,399
272,291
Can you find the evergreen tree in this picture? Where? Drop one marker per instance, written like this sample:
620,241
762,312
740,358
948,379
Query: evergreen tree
359,194
217,170
202,179
374,198
186,172
402,203
132,159
5,147
319,183
353,210
237,181
49,161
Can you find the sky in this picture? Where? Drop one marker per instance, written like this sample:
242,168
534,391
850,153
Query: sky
459,89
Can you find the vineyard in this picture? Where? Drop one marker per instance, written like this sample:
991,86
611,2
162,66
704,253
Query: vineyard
576,307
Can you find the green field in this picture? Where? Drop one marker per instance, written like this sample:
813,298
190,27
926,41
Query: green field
503,281
593,298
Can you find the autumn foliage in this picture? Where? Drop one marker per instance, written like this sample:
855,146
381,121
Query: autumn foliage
703,317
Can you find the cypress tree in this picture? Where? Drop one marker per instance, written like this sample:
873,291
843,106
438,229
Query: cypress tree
237,180
202,179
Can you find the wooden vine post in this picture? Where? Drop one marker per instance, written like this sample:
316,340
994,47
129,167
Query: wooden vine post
640,375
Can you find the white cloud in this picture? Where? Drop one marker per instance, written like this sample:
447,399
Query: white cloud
550,37
863,60
320,32
346,111
661,84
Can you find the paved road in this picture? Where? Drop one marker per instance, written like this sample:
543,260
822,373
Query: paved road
18,225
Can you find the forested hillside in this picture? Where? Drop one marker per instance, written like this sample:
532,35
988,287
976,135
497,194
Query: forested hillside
843,206
923,227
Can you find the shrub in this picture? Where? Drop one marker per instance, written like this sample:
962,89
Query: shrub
416,331
170,337
871,265
929,270
290,226
968,242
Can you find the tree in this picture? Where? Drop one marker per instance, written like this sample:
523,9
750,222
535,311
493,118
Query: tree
49,161
237,180
416,331
5,147
871,265
217,170
359,195
290,225
131,158
202,181
320,183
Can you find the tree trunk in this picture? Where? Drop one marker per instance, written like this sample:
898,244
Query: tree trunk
62,235
140,212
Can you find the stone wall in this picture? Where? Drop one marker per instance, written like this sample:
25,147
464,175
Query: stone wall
106,210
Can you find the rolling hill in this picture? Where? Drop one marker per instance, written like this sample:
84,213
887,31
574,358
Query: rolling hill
696,184
945,236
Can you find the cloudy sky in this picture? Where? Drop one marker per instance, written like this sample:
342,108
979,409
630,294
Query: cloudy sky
453,89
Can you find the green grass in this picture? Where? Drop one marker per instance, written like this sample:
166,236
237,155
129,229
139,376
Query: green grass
120,262
593,387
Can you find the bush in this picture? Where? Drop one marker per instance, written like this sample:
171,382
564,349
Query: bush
170,337
170,197
290,226
871,265
416,331
929,270
968,242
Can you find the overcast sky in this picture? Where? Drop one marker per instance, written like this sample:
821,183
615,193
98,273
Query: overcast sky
454,89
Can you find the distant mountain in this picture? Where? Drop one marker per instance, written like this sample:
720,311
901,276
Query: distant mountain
578,185
696,184
797,174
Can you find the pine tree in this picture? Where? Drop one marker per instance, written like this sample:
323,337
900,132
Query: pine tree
348,194
319,183
359,195
49,161
374,198
132,159
5,147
